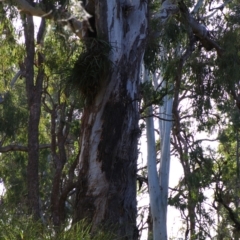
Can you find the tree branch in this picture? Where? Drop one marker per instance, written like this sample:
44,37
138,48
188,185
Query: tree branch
221,6
154,115
197,6
21,148
232,215
25,7
198,29
61,16
170,8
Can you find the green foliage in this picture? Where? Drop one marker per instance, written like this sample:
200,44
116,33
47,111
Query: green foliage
150,95
153,49
228,64
90,69
82,230
178,202
58,61
173,34
227,179
21,227
12,116
13,173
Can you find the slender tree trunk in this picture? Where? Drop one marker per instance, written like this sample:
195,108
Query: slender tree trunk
59,159
158,185
58,150
34,90
165,133
106,193
153,180
192,216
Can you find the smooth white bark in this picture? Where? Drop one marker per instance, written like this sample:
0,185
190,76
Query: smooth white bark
158,182
165,125
153,181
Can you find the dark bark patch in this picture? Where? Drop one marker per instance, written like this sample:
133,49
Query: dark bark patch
126,28
86,207
84,203
113,118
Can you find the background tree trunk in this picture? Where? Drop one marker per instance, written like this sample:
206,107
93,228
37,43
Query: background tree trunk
34,93
153,180
165,126
107,166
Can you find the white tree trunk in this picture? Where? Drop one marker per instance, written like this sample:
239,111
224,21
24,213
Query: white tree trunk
153,181
107,166
165,125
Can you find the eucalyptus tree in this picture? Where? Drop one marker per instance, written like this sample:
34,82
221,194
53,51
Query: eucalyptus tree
158,179
226,181
184,43
153,181
109,155
207,72
226,174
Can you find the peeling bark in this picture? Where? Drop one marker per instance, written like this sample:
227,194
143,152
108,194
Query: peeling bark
107,166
